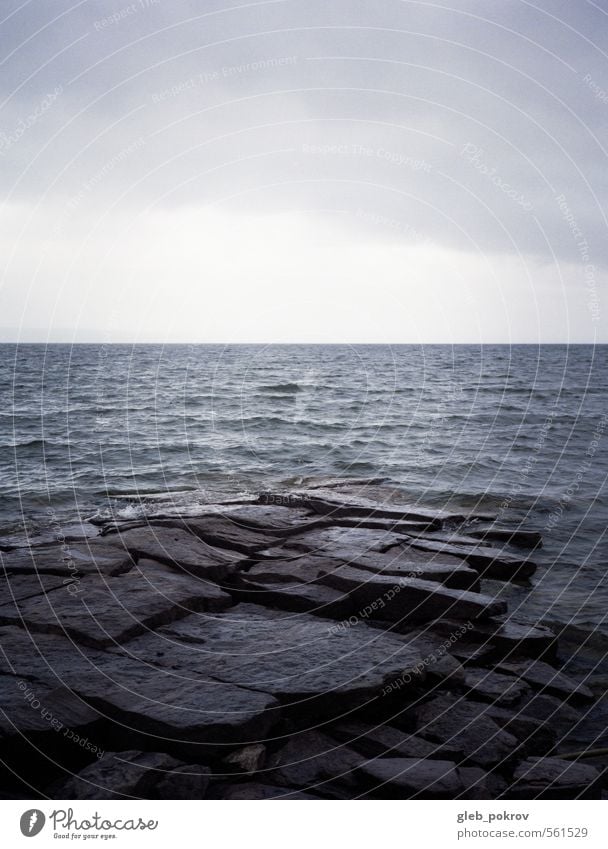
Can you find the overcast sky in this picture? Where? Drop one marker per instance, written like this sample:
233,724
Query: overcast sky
304,171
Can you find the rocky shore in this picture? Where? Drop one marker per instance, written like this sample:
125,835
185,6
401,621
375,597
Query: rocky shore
329,643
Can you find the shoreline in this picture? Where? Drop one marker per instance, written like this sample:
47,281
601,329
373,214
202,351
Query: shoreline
321,643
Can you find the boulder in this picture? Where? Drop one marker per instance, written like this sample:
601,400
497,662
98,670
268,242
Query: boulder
479,784
136,775
412,778
246,761
546,679
553,778
452,719
312,759
386,741
493,687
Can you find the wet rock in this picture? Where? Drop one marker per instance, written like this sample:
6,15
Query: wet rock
177,548
489,562
552,778
493,687
399,778
338,505
410,598
102,612
69,561
452,719
545,678
17,587
517,538
305,598
536,736
508,638
273,518
136,775
306,662
224,532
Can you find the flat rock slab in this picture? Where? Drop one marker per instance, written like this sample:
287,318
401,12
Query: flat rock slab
274,518
553,778
301,598
177,548
489,562
223,532
413,778
136,775
545,678
410,599
299,659
105,612
180,706
18,587
70,561
337,505
456,721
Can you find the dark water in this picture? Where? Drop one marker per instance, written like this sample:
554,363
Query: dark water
518,431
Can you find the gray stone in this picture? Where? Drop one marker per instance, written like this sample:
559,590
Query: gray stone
246,761
312,759
385,740
509,638
189,781
553,778
494,687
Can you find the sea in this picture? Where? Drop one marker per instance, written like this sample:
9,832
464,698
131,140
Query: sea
519,432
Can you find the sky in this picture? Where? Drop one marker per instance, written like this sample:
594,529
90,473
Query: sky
378,171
